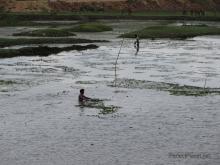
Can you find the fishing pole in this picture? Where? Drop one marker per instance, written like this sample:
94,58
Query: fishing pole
116,61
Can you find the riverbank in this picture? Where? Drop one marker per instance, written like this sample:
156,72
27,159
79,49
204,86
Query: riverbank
13,19
174,32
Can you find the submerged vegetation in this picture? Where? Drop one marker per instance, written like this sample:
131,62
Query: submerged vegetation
46,33
90,27
174,89
4,42
173,32
6,82
99,104
41,50
5,85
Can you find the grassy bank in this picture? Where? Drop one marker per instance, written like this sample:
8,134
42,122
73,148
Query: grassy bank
46,33
41,50
25,19
52,32
90,27
4,42
173,32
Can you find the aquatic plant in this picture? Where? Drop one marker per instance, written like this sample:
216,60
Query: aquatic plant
99,104
174,89
4,84
7,82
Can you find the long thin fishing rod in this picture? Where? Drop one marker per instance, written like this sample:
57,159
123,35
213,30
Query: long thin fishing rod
116,62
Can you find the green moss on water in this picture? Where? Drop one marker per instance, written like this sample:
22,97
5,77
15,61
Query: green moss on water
6,82
173,32
99,104
90,27
46,33
173,89
108,110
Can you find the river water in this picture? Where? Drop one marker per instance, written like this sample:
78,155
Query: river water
41,124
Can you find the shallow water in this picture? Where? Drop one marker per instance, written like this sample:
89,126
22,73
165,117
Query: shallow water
41,124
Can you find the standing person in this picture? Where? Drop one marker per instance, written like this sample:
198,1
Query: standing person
137,43
82,97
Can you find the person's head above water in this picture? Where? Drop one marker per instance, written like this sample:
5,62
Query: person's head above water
82,91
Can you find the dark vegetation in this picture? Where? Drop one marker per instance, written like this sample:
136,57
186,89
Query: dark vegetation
99,104
4,42
173,32
52,32
46,33
90,27
174,89
26,19
41,50
6,82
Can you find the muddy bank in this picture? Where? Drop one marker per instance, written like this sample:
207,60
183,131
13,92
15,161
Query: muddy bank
41,50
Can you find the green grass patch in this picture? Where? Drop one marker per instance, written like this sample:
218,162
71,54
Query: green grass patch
90,27
173,32
4,42
46,33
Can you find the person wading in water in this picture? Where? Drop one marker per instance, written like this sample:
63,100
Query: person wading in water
137,44
82,97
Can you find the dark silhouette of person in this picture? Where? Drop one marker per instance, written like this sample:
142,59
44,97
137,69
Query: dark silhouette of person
137,43
82,97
